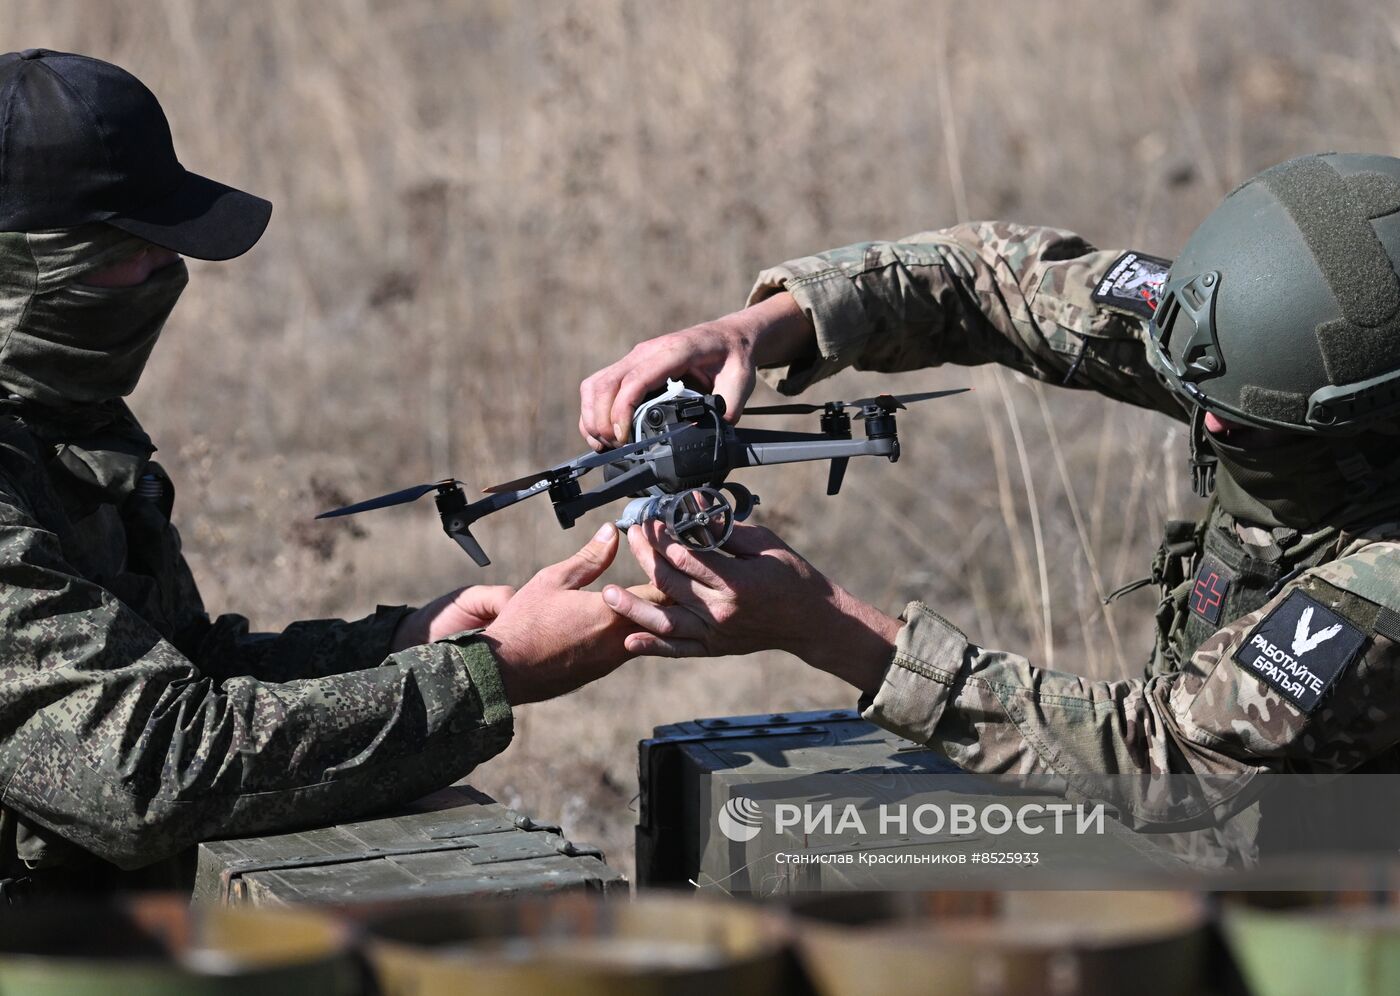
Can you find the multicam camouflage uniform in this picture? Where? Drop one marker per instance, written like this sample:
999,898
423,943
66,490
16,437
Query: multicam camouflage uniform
1024,297
131,724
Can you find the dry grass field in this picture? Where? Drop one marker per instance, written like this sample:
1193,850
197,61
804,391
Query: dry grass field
480,202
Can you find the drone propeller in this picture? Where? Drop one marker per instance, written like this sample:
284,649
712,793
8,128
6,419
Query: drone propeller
581,465
885,402
396,498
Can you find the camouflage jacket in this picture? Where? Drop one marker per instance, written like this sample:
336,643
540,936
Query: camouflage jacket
132,724
1276,649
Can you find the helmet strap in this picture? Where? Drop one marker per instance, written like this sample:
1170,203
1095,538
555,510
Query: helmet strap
1203,459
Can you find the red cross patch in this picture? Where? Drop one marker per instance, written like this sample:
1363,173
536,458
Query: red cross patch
1209,591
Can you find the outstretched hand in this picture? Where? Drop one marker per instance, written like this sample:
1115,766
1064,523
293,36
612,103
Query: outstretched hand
552,637
549,637
764,596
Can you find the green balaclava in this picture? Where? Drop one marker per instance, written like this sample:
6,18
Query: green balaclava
64,345
1306,482
1296,484
69,352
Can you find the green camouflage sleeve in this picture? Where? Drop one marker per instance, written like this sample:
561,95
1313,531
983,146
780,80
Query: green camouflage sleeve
988,292
310,648
1290,687
225,648
116,741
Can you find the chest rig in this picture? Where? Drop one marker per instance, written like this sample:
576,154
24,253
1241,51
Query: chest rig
1213,571
108,505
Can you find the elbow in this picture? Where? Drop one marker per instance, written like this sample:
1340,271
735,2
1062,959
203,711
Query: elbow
142,843
131,832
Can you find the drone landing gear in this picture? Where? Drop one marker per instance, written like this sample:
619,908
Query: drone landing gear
452,509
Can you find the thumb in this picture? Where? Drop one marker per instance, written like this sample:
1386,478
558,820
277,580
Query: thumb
586,566
735,383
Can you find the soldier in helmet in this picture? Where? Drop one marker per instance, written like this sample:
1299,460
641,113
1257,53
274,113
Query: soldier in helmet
1275,335
131,723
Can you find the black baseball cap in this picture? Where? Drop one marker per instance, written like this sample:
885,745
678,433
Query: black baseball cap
82,141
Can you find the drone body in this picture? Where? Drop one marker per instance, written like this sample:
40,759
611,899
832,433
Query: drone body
677,468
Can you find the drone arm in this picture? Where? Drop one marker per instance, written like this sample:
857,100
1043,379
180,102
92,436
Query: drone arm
457,516
637,479
746,435
760,454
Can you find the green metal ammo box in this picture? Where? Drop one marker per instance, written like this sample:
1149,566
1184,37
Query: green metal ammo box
693,774
456,842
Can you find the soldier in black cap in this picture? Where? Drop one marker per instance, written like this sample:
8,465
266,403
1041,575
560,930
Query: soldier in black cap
131,723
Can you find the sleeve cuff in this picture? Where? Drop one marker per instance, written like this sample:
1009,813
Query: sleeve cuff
485,674
828,296
928,656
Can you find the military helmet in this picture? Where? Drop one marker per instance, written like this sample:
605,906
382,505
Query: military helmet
1283,309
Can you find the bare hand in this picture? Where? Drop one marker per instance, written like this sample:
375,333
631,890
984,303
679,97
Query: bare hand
552,638
765,596
719,356
466,608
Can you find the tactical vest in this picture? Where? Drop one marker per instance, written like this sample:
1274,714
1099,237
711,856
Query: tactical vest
1210,573
1213,571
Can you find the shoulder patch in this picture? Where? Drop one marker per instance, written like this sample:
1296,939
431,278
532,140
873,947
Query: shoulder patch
1300,648
1133,283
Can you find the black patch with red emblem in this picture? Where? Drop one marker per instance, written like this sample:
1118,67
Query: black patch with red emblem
1133,283
1208,593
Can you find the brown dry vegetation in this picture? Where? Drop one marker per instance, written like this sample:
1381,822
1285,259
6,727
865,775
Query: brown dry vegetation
478,203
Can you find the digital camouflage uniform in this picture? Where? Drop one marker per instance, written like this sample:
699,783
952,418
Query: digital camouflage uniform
132,724
1025,297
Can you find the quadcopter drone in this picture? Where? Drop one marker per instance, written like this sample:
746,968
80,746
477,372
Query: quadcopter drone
676,469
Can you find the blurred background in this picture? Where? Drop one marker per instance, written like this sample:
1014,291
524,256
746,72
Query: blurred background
478,203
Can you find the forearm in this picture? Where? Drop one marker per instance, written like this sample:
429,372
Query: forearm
995,713
310,648
978,293
135,764
114,739
923,678
848,638
782,331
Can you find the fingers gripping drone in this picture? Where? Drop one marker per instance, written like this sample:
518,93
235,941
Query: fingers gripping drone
701,518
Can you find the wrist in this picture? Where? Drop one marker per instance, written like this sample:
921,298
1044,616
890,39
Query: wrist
519,668
780,331
853,640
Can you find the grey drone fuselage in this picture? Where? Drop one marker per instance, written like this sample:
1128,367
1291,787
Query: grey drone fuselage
677,467
690,493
